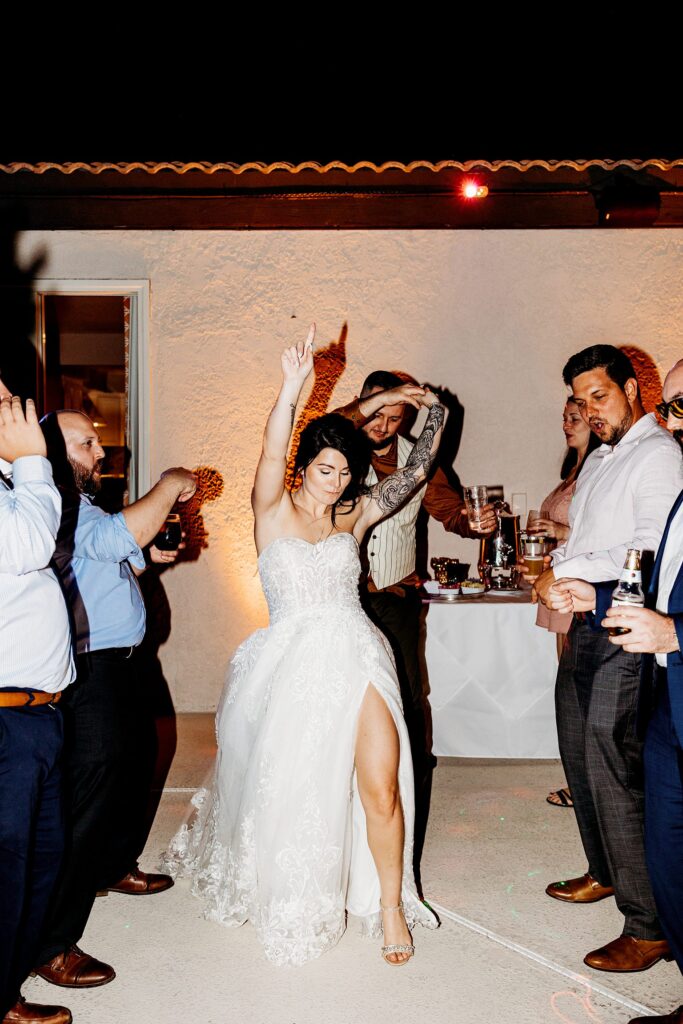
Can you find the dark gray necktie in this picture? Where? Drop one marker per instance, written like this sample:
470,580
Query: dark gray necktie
7,481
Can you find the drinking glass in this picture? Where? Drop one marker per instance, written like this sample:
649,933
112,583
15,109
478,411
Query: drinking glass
170,535
532,519
475,499
533,553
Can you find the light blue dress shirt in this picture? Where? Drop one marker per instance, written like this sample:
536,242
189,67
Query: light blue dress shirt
95,562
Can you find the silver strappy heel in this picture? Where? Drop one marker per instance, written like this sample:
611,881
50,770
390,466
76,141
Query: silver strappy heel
400,948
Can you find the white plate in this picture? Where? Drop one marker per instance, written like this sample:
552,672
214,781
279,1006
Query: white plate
473,593
502,593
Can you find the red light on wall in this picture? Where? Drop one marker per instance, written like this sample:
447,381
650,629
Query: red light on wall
474,190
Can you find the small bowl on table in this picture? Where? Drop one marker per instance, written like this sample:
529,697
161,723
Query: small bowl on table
472,588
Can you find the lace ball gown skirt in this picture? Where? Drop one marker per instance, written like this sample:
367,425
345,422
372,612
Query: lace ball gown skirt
279,839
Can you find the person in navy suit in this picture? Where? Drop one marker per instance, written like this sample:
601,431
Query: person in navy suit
656,632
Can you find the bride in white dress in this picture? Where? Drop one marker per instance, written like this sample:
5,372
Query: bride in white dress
310,814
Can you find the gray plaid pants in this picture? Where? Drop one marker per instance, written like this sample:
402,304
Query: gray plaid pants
595,702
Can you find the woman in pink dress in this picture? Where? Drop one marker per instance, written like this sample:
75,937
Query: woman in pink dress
554,521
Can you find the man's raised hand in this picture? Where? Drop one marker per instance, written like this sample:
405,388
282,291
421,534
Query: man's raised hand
20,432
183,479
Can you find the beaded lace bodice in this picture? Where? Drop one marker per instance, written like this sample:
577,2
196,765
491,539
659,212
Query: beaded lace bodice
297,576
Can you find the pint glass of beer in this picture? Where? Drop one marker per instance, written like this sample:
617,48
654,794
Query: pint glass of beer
475,499
534,549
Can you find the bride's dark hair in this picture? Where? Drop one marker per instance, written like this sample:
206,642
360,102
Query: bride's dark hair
335,431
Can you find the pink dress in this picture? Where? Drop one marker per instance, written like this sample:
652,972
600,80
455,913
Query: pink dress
556,507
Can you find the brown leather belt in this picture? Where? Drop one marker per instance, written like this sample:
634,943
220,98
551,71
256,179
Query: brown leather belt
27,698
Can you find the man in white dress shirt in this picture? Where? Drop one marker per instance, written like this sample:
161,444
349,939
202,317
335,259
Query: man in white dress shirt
622,500
656,629
36,665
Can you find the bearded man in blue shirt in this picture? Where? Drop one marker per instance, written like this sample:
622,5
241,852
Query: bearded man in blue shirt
110,742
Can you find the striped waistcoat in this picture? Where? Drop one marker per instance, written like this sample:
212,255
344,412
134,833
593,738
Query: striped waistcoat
391,542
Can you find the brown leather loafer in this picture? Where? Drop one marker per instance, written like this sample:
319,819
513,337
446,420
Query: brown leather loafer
139,883
579,890
675,1017
628,954
76,969
36,1013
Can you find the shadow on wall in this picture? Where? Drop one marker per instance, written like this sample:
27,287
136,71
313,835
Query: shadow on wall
648,375
210,486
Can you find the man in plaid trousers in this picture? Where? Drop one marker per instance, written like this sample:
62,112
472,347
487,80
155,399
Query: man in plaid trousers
622,500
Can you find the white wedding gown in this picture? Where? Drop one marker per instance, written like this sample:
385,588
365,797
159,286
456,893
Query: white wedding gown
280,839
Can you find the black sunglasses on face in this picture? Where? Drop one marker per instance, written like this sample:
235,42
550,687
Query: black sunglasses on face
675,406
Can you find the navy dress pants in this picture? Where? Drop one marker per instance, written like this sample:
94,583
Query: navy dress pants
31,836
109,754
664,820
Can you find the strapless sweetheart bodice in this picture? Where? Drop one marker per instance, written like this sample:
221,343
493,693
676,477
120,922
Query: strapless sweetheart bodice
298,576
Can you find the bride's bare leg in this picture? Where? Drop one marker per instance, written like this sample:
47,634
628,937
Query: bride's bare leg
377,758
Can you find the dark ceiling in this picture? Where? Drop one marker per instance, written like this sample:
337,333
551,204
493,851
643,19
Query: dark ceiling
554,106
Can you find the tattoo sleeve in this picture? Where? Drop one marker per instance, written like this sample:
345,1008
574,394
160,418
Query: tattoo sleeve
391,492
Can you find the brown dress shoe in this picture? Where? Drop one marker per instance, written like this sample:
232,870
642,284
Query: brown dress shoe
36,1013
675,1017
629,954
139,883
579,890
76,969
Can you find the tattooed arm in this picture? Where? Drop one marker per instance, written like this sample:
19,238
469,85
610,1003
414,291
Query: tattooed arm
269,483
390,493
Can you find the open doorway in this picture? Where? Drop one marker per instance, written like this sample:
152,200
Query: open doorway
91,341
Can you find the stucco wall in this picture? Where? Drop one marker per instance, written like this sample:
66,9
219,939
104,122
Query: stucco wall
491,315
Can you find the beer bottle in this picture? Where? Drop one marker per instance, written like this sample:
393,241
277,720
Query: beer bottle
629,590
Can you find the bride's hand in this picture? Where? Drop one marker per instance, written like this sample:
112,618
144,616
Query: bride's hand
297,361
428,399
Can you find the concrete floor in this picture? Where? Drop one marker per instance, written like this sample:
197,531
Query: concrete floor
505,952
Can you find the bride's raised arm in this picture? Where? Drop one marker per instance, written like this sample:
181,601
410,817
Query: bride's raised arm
390,493
269,482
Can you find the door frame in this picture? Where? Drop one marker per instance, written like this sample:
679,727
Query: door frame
139,399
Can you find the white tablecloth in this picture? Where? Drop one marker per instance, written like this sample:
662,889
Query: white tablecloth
492,678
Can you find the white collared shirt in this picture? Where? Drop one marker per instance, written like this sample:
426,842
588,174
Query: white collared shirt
622,499
669,568
35,639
